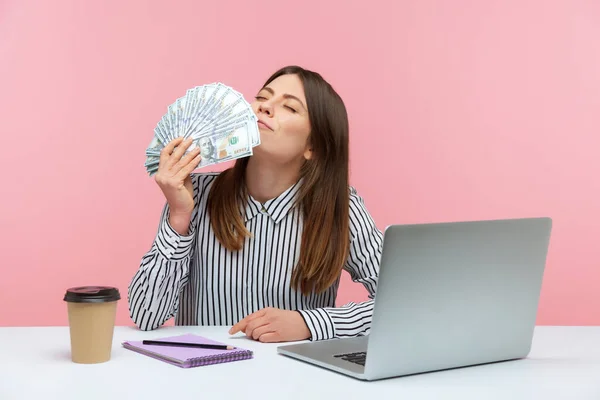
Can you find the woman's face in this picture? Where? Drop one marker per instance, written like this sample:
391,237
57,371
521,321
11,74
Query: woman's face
283,121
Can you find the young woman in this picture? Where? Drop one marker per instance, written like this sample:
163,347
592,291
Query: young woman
261,246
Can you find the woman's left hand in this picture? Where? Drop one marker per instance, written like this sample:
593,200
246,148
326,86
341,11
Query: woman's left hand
273,325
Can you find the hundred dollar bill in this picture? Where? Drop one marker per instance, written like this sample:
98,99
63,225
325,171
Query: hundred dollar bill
229,125
194,96
152,170
159,133
207,104
226,119
189,108
232,105
152,160
255,134
227,146
155,146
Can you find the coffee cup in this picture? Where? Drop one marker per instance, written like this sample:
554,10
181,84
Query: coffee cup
92,311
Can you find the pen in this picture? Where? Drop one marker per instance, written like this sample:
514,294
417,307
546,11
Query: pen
183,344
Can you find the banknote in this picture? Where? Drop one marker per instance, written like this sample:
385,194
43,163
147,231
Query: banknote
216,117
215,149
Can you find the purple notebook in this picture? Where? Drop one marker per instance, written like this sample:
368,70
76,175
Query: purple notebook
186,357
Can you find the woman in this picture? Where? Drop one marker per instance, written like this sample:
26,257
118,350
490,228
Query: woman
261,246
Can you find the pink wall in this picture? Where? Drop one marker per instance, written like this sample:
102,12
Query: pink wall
459,110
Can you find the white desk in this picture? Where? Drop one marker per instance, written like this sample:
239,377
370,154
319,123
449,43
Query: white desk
35,364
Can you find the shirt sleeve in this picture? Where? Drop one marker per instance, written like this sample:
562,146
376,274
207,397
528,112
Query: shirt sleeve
153,293
352,319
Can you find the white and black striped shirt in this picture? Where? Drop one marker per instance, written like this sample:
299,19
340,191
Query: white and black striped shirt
200,282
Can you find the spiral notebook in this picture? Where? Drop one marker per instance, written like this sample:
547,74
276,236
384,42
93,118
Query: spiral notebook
187,357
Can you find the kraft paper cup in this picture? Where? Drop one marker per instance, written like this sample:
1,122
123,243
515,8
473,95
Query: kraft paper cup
92,311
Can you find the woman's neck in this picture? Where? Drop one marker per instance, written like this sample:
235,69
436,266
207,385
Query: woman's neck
265,181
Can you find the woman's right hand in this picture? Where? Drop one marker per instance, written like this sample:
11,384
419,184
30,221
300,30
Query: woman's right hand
173,178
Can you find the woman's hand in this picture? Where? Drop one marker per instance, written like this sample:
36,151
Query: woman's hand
173,178
273,325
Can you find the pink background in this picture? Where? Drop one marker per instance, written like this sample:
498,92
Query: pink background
459,110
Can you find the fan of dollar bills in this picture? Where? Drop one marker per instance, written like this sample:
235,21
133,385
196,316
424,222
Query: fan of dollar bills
217,118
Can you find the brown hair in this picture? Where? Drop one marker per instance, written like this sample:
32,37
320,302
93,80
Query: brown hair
324,195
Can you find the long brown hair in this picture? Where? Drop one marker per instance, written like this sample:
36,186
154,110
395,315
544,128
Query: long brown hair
324,195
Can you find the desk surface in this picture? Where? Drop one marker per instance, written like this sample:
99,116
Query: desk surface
564,363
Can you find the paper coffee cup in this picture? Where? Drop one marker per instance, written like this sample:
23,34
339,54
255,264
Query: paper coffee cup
92,311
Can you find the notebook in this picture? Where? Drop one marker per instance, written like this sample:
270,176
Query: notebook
186,357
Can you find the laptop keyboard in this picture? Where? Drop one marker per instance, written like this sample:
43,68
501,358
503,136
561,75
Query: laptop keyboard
356,358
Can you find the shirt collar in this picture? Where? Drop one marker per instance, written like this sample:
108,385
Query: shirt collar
276,208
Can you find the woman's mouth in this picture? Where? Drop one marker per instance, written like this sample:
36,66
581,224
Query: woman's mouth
264,124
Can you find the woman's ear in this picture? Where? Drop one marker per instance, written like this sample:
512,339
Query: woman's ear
308,153
308,150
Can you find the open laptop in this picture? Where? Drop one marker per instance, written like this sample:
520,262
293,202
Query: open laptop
449,295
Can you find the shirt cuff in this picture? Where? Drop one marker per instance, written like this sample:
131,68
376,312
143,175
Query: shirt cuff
319,324
170,243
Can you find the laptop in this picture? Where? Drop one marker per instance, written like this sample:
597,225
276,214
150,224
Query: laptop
449,295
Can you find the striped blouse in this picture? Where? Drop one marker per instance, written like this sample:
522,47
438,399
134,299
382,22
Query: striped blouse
199,282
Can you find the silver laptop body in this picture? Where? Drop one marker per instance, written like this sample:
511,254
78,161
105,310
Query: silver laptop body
449,295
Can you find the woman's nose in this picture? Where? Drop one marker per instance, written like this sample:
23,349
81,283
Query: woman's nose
266,108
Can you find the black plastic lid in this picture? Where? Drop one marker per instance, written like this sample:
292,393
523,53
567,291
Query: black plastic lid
92,294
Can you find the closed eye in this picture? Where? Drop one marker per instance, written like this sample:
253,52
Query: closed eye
260,98
291,109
